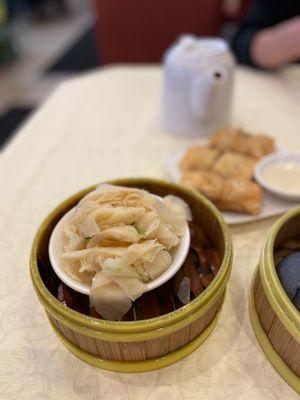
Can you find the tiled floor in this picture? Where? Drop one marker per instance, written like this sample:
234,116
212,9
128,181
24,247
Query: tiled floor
23,82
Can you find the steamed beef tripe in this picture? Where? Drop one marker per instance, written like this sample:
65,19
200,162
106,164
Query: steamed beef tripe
126,234
119,239
145,252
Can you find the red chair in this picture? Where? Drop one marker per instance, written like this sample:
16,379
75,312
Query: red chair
137,31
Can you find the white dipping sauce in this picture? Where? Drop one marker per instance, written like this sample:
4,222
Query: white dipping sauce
283,176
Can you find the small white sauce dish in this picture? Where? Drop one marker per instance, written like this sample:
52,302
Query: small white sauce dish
179,254
279,174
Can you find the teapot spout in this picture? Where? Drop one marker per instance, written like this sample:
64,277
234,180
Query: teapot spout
206,92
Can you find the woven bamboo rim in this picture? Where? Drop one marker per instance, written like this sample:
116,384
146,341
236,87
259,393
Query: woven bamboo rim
140,366
282,307
281,367
132,331
287,313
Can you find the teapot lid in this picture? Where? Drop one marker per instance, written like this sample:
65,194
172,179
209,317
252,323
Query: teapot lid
190,49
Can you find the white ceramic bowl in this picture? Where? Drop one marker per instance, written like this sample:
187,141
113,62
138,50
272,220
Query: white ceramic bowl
275,159
179,254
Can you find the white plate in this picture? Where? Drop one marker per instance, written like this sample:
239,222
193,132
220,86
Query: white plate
271,205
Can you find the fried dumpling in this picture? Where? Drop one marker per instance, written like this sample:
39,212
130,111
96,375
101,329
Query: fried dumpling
198,158
234,194
240,141
240,195
232,165
208,183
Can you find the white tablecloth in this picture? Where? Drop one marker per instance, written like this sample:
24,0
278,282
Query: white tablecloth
104,125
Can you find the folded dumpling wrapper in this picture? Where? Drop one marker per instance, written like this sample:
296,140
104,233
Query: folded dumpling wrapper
118,239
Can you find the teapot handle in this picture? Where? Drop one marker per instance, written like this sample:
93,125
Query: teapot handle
205,91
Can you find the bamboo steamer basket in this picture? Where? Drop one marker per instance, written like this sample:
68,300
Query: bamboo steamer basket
137,346
275,320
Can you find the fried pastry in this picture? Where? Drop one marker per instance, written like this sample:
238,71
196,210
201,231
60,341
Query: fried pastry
239,141
233,194
208,183
198,158
240,195
231,165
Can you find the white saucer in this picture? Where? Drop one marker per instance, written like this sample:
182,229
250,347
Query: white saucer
273,159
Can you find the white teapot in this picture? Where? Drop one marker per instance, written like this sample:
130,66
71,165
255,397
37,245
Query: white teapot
198,84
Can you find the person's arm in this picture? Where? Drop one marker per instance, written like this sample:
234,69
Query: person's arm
257,32
278,45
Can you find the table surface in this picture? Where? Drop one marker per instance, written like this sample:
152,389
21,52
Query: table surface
104,125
